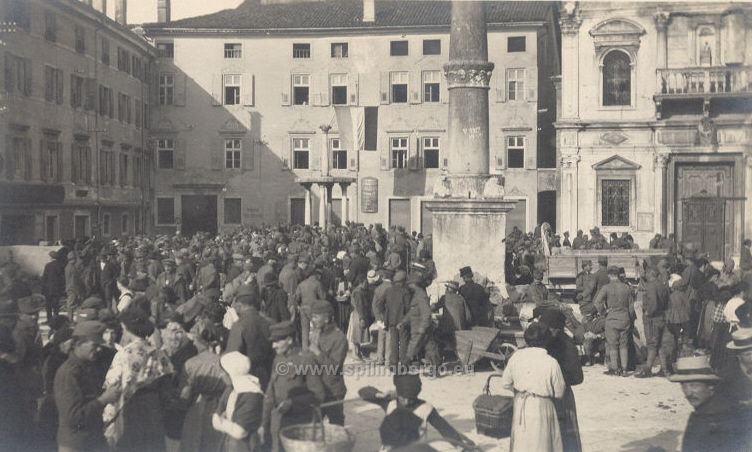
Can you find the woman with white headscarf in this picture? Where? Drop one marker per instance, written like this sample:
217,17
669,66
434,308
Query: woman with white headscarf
239,411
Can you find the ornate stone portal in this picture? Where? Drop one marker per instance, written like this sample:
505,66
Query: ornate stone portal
469,209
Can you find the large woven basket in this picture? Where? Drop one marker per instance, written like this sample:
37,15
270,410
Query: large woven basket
493,413
316,438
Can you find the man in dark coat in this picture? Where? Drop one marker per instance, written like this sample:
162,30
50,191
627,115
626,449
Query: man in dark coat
78,395
307,292
601,275
654,306
476,297
397,303
329,348
718,422
108,277
250,334
616,303
273,299
585,285
53,282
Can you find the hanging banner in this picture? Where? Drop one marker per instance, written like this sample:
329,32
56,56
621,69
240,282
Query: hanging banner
369,195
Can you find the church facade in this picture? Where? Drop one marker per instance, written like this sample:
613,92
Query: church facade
654,122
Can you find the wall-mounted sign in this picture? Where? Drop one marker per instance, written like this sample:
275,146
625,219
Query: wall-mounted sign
369,195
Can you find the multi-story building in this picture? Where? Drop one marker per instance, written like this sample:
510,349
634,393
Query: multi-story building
74,160
654,128
263,108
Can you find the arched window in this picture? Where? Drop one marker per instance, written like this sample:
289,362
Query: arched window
617,79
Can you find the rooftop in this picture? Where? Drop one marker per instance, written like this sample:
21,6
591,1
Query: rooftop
328,14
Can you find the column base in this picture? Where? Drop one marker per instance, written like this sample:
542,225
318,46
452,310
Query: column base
470,232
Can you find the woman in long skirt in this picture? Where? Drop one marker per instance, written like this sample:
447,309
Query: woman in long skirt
537,381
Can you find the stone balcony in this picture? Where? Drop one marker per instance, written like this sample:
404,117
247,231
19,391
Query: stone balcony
702,83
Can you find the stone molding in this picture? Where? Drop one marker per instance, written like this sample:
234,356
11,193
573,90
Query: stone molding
569,161
661,19
661,160
570,20
468,74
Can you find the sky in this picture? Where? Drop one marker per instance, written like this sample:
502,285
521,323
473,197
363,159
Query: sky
141,11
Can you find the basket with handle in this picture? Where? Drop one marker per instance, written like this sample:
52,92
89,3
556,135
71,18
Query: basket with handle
316,436
493,413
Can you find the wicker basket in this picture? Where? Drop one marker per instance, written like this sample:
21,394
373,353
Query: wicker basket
493,413
316,437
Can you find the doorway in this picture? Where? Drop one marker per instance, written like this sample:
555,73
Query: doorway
297,211
399,213
704,225
80,226
50,230
547,208
199,213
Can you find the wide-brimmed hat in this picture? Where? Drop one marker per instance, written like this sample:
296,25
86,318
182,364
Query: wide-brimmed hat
373,277
741,339
693,368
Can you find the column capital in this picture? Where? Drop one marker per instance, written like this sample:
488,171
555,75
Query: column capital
570,19
661,19
748,159
468,74
569,161
661,160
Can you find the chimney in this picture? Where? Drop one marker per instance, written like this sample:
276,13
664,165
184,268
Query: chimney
121,12
369,11
163,11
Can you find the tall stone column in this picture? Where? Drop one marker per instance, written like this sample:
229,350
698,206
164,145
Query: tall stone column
469,211
322,205
345,217
569,192
328,210
659,173
748,194
661,41
308,205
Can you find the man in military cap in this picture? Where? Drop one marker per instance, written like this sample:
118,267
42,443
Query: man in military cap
579,241
289,278
536,292
273,300
308,291
379,308
329,348
597,240
291,393
585,285
601,275
397,304
173,282
476,297
616,302
78,394
53,281
418,320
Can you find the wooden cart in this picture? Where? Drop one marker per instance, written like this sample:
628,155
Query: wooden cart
494,344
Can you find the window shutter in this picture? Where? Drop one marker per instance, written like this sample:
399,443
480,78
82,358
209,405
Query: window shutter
179,94
352,88
112,103
500,152
59,157
323,87
91,93
216,89
42,161
316,146
412,153
248,153
385,163
353,166
72,83
530,85
59,85
7,158
247,89
88,165
501,86
444,89
217,154
27,76
27,159
179,154
9,70
415,87
74,163
286,88
384,87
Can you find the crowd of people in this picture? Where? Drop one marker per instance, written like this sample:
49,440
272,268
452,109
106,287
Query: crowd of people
174,343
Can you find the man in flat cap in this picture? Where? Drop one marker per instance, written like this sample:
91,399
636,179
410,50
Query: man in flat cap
585,285
291,393
476,297
616,303
78,393
308,291
250,334
329,347
601,275
53,281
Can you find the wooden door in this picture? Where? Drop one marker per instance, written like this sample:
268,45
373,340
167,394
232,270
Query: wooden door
704,225
399,213
695,181
297,211
199,213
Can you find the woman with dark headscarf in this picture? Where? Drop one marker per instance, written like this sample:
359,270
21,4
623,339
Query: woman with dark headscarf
135,422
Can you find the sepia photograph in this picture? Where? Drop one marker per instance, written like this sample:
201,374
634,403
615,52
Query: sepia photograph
375,225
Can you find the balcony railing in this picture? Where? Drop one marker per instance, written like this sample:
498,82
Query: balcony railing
704,80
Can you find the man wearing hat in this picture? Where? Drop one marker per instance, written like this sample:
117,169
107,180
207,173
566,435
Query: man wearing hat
536,292
615,302
270,260
397,298
289,278
78,394
597,240
250,334
418,321
308,291
329,347
476,297
456,315
53,282
172,283
654,304
601,275
207,276
379,309
291,393
585,284
718,422
273,299
737,374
